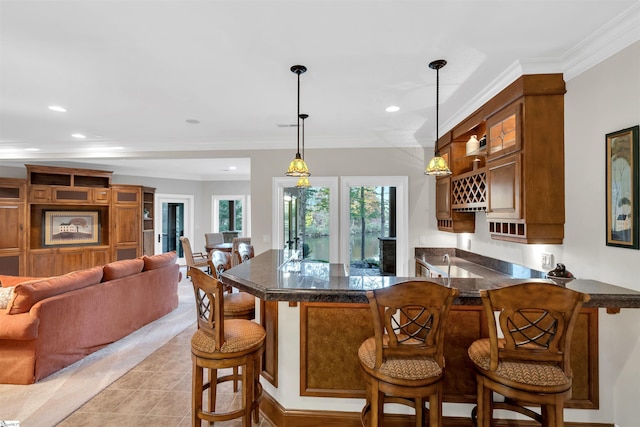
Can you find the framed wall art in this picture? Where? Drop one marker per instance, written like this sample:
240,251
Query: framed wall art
71,228
622,188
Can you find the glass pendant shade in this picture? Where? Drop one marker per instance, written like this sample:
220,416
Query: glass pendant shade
298,167
438,167
303,182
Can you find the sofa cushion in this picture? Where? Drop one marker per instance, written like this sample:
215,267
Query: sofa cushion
9,281
27,294
122,268
160,260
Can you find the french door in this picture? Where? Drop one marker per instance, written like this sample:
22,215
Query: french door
173,219
308,215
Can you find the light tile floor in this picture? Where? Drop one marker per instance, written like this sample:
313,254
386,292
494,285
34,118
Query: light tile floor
157,392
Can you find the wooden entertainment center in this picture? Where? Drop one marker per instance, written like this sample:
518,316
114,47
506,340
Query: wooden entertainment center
59,220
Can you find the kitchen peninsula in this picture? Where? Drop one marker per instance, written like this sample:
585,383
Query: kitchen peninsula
317,315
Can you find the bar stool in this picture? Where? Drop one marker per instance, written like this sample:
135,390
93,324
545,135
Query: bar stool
404,362
219,344
531,364
237,305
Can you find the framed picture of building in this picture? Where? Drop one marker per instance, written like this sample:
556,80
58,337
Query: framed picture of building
71,228
622,188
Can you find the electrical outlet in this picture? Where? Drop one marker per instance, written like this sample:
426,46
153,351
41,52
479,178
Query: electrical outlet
547,260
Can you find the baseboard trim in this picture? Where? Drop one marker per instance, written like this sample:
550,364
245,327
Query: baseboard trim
282,417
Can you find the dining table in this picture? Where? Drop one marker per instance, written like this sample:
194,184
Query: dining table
225,247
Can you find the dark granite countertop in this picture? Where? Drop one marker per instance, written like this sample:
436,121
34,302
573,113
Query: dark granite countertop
271,276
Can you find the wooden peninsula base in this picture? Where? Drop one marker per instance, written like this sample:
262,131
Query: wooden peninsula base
316,318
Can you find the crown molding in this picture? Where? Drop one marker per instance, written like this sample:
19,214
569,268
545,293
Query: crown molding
618,34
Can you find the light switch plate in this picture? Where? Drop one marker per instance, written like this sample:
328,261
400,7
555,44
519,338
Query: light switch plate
547,260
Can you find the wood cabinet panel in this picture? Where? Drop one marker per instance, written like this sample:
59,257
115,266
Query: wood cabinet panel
13,236
443,198
40,194
464,326
71,259
126,225
504,187
330,335
12,220
269,320
43,263
71,195
101,196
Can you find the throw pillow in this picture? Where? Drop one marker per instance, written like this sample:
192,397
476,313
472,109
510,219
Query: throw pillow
5,296
122,268
160,260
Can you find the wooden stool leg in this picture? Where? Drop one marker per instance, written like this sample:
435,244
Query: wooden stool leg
248,392
435,408
256,395
235,381
213,388
419,403
485,403
377,405
196,394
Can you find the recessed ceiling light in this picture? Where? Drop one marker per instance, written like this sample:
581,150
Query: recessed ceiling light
232,168
192,121
78,135
392,109
57,108
31,149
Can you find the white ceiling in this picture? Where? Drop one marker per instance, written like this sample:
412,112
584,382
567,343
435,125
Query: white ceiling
131,73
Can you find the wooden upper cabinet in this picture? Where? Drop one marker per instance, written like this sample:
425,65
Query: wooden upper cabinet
525,162
523,171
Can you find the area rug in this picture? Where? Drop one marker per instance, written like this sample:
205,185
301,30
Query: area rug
52,399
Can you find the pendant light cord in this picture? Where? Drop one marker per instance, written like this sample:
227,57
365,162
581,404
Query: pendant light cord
437,150
298,129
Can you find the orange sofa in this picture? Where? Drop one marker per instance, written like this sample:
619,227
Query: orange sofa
50,323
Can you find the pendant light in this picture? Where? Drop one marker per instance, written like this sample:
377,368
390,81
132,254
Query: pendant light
303,181
437,165
298,167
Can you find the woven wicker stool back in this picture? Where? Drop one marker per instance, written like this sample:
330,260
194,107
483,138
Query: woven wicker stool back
404,361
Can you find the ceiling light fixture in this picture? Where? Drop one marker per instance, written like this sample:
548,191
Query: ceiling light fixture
437,165
57,108
78,135
298,167
303,181
392,109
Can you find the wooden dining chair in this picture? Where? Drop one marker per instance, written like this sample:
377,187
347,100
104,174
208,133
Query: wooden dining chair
193,259
404,361
235,256
527,356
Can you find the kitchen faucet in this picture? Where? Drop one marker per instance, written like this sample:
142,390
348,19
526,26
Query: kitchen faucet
448,260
